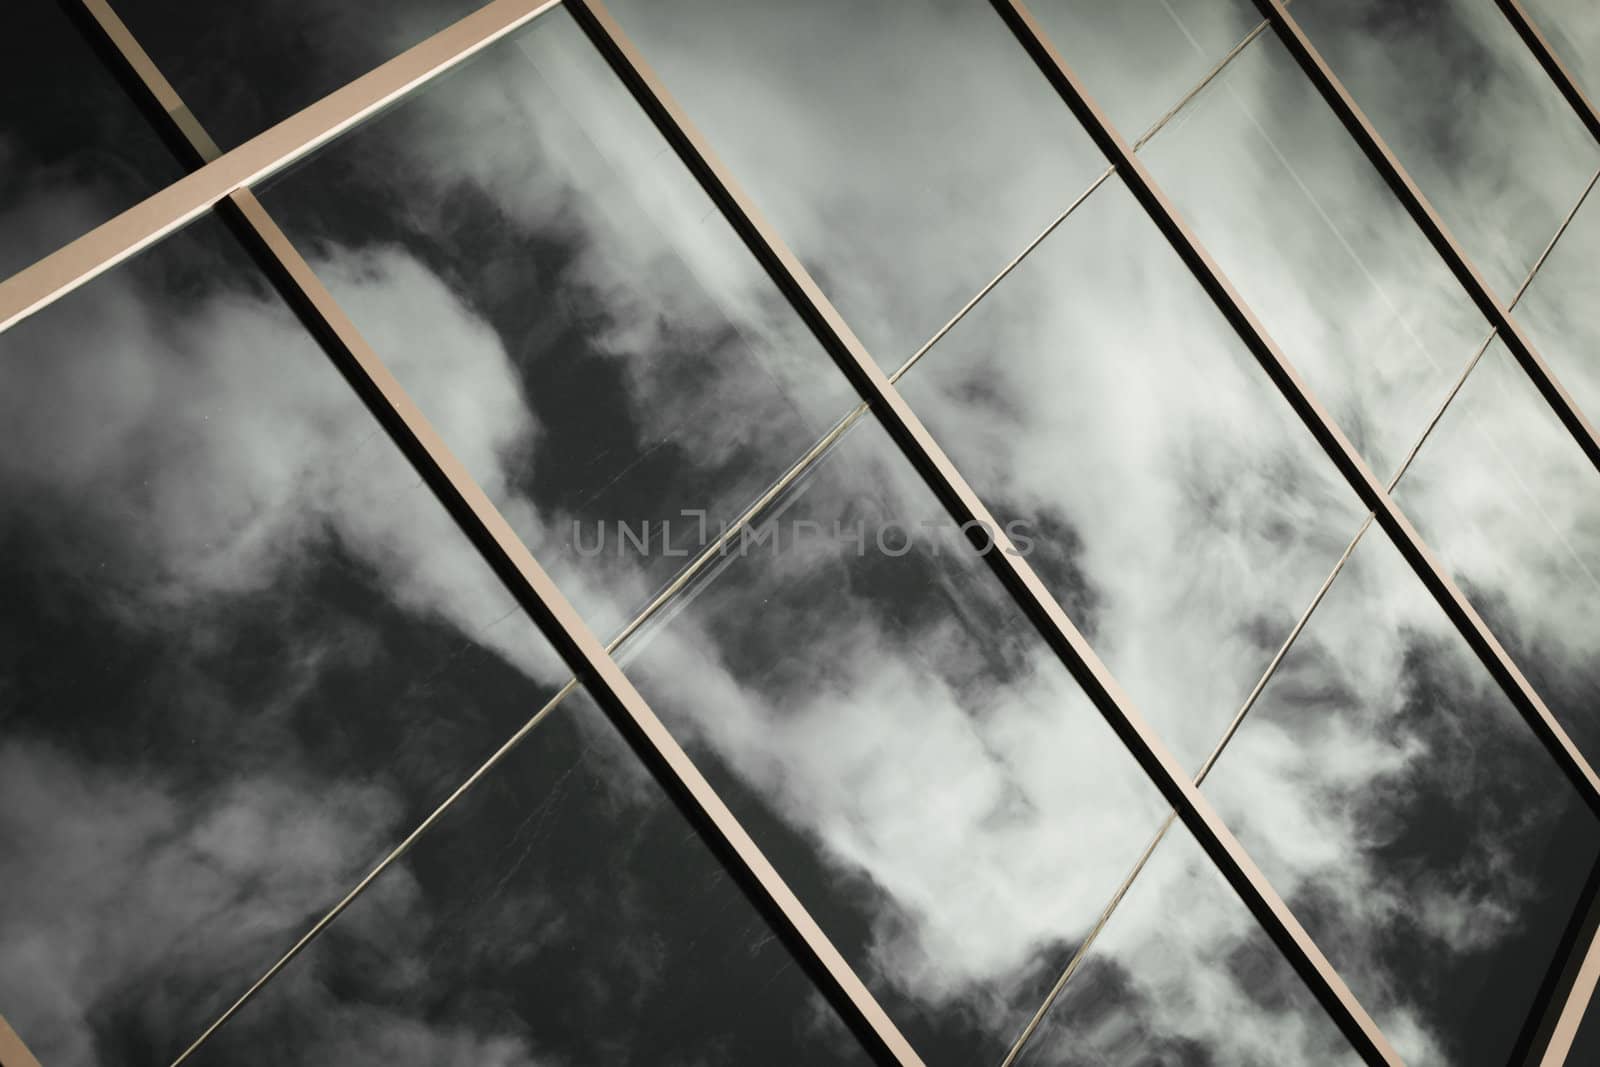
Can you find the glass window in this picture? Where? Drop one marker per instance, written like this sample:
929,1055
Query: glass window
1558,309
563,911
1573,29
914,759
1181,974
905,150
242,67
1513,507
1468,111
1174,504
74,150
1321,250
1139,59
1409,817
243,650
646,378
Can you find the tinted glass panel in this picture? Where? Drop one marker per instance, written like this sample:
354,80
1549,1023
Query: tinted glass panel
1183,974
1470,114
242,67
1409,817
621,359
1573,29
1513,507
242,649
906,150
1558,309
74,151
562,912
1138,59
1322,251
1174,504
921,768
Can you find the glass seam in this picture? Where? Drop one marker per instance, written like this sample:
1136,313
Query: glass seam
1082,951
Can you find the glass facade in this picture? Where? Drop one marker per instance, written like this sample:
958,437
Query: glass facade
711,532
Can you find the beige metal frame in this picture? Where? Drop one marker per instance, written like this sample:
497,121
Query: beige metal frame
965,506
590,662
13,1053
224,181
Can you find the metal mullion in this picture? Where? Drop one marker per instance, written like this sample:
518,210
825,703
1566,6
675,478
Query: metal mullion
1539,45
268,152
1311,411
1553,1040
590,662
1427,219
1082,951
13,1053
965,506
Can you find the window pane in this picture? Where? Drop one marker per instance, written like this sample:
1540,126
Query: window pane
634,363
1175,505
242,67
905,150
1183,974
1469,113
1573,29
1323,252
920,767
1409,817
1558,309
74,151
563,911
243,650
1138,59
1513,507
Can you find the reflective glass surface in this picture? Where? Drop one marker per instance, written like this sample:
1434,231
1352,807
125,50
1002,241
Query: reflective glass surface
1512,505
610,361
919,766
562,912
906,150
1175,505
74,150
244,66
242,650
1573,29
1468,111
1405,811
1138,59
1183,974
1558,309
1320,249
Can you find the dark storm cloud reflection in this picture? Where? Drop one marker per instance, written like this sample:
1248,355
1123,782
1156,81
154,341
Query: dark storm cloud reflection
246,651
644,362
1409,816
65,124
1468,111
242,67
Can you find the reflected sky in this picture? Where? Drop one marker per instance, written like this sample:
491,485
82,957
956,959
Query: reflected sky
242,67
1178,508
74,151
1573,29
562,913
614,353
1183,974
1138,59
1558,309
1468,111
912,756
1321,250
1408,815
905,150
1512,505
